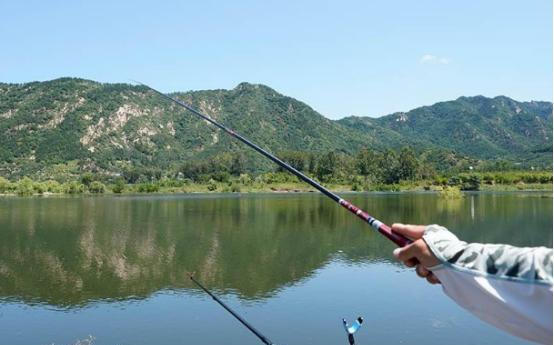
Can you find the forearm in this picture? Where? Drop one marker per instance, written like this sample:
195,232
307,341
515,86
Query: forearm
506,286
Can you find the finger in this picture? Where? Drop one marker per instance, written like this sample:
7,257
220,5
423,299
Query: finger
432,279
422,271
413,232
411,262
408,252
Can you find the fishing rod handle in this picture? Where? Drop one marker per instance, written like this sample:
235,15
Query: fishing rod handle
381,227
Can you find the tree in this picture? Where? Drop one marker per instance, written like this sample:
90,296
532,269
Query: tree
470,182
152,174
193,169
503,165
238,164
25,187
367,163
87,178
408,165
131,175
119,186
96,187
5,185
74,187
326,166
297,159
312,163
388,165
245,179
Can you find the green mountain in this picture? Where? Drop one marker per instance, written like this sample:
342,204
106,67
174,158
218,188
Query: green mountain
480,127
47,126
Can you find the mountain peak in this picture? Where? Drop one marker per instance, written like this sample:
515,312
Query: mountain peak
245,86
476,98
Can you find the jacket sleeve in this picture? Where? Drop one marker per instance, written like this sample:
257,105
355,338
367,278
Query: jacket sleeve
506,286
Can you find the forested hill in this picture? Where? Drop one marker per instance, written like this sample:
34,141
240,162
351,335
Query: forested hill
481,127
48,126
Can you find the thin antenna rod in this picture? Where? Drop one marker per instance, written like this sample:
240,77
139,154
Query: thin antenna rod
379,226
262,337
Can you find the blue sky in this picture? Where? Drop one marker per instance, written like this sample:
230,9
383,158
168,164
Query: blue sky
343,58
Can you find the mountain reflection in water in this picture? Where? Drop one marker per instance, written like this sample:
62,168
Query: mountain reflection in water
69,252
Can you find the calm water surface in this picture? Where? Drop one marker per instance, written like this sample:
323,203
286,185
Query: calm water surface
294,265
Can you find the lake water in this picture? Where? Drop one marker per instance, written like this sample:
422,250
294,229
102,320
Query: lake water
114,268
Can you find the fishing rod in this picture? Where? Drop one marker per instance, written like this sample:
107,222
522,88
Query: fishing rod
251,328
379,226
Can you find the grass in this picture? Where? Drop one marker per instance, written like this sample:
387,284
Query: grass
284,183
292,187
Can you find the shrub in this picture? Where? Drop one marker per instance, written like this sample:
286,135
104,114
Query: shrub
212,186
380,187
470,182
451,192
488,179
6,186
167,182
221,176
504,178
545,178
39,187
203,178
440,181
73,187
529,178
119,186
96,187
87,179
278,177
454,181
25,187
245,179
148,187
53,186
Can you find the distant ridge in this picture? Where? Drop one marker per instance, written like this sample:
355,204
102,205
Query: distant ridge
477,126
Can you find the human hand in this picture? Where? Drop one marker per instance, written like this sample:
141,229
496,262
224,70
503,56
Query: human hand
416,253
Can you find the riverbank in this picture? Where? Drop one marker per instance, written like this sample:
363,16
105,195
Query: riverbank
285,187
279,182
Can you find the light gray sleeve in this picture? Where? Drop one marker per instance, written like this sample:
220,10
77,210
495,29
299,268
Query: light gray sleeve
506,286
500,260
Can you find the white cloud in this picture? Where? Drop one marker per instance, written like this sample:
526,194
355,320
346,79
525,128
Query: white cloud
433,60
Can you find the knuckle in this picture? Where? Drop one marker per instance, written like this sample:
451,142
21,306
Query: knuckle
420,244
421,271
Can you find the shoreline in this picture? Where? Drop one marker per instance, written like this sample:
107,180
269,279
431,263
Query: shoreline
294,188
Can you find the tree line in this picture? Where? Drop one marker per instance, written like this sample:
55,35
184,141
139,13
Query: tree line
368,169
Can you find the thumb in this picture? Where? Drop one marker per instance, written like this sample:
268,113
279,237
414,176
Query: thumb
413,232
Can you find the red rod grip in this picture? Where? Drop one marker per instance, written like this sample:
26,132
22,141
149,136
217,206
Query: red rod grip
384,229
398,239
